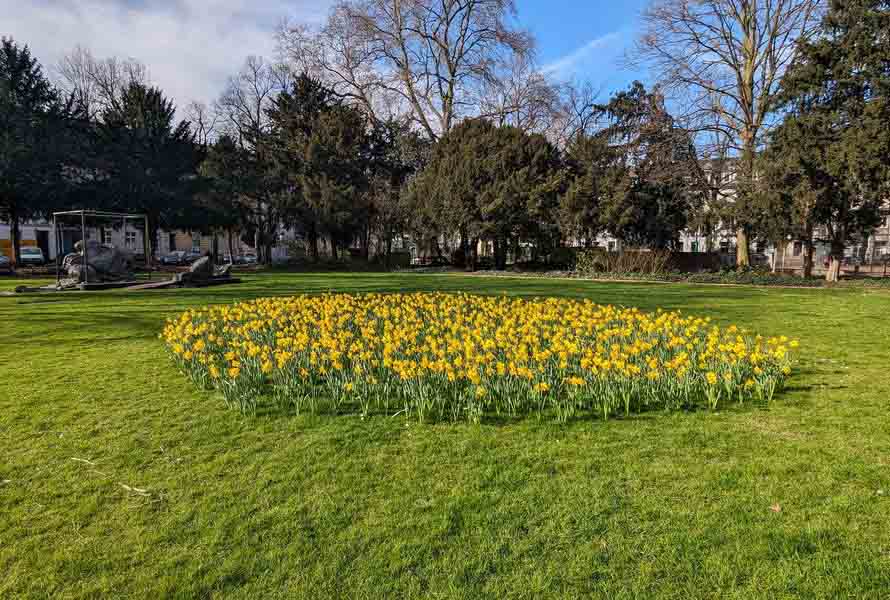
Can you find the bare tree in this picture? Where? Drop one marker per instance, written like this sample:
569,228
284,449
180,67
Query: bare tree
246,97
203,121
242,114
337,54
97,84
722,60
580,112
521,95
431,56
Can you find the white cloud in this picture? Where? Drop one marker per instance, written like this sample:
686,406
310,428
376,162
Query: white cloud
598,51
189,46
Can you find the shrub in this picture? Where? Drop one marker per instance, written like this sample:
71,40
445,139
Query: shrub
628,261
459,357
563,258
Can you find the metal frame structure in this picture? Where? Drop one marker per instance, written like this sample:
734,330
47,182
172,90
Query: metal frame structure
97,214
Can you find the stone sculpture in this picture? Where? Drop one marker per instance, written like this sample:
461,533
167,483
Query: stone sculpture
103,264
201,272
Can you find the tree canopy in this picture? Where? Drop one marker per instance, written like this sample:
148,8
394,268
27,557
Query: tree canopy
832,152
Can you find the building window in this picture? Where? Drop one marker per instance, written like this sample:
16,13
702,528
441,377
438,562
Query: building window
106,237
798,249
612,246
130,239
724,246
880,248
693,247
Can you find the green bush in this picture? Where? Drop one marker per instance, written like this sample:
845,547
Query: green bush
563,258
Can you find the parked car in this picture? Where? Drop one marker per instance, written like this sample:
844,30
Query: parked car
5,264
246,259
32,256
430,261
193,255
177,257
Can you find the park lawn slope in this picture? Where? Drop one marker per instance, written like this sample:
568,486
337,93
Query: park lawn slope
119,478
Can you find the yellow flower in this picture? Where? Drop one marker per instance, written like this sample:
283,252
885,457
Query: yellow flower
441,343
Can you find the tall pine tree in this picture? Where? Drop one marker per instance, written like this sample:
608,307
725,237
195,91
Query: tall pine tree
32,119
321,150
145,161
834,145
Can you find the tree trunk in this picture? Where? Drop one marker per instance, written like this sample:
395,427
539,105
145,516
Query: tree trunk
366,242
742,257
464,249
15,234
863,252
743,195
473,259
834,265
808,258
312,238
231,247
498,248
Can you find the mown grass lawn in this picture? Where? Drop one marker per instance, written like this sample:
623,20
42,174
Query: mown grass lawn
746,503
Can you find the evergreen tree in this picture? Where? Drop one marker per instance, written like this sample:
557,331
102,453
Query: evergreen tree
146,162
229,182
650,190
485,182
32,140
321,149
589,163
834,145
398,154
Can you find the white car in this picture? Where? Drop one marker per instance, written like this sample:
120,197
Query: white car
32,256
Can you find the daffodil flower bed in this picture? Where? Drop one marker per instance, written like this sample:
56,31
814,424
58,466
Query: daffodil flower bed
455,356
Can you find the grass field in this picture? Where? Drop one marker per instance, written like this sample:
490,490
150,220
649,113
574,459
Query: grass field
118,478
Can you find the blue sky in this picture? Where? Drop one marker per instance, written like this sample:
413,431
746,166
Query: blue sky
192,46
584,39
